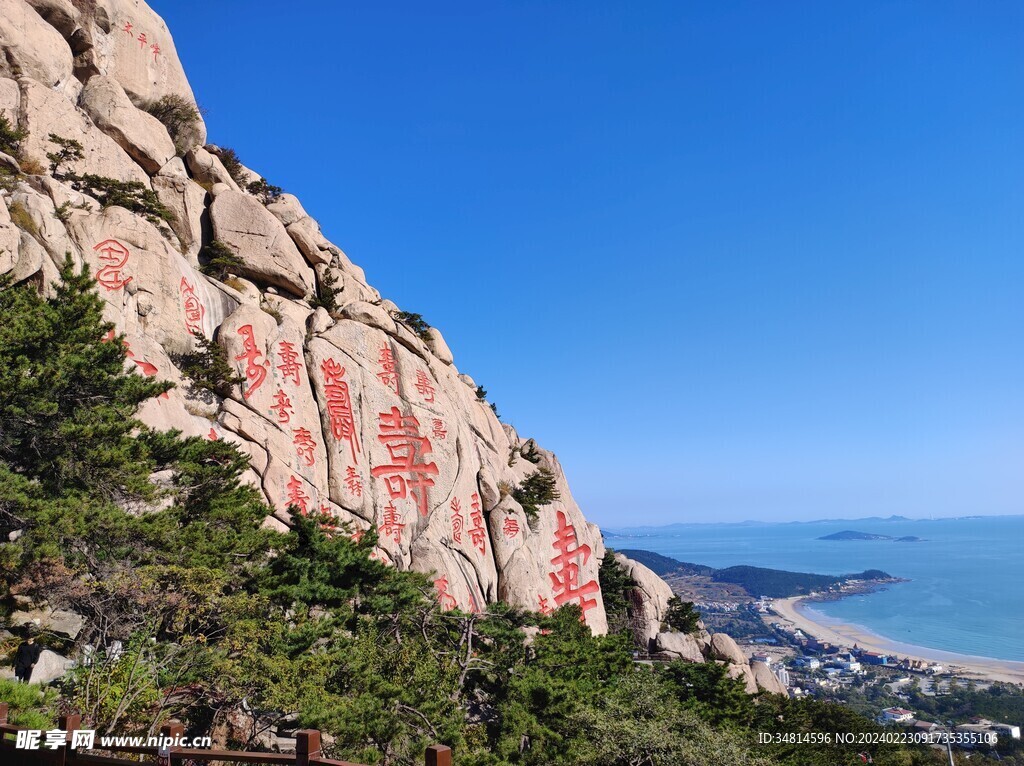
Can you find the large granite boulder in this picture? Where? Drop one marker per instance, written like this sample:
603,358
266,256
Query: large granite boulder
32,48
141,135
261,243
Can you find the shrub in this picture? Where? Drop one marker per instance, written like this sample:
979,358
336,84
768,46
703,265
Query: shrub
326,296
10,136
68,150
266,193
529,452
181,118
21,218
229,159
218,260
8,179
208,370
30,166
418,325
131,195
536,490
481,393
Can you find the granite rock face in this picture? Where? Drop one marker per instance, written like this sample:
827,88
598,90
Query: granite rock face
348,412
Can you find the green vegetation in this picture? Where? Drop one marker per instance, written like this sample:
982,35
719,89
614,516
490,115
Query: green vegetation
131,195
256,627
616,587
536,490
68,151
218,260
229,159
10,136
21,218
417,324
265,192
326,296
208,370
181,118
29,705
681,616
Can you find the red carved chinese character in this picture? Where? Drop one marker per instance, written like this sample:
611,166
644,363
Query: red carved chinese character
357,535
444,598
565,578
156,50
212,436
423,386
439,429
255,371
282,406
142,40
405,476
305,447
296,496
477,534
473,606
388,374
289,366
545,607
457,521
194,310
339,405
510,527
128,28
392,526
115,256
353,482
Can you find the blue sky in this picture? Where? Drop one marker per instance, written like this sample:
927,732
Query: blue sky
729,260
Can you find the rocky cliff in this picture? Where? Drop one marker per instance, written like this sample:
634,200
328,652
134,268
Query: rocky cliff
349,411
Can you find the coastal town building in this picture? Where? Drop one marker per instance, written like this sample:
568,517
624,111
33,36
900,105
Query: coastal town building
896,715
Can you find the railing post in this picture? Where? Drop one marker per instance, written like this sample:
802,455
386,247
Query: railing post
172,730
307,746
439,755
3,712
69,723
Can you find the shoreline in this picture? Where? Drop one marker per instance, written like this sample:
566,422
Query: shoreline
846,635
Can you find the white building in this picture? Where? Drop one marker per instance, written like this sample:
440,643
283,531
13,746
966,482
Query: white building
896,715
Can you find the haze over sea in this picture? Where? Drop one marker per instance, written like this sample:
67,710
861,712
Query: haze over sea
966,579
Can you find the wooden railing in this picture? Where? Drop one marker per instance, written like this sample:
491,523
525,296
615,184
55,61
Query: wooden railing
307,750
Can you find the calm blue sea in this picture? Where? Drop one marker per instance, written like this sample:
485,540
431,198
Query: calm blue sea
966,589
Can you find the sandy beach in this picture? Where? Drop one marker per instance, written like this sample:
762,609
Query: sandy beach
981,668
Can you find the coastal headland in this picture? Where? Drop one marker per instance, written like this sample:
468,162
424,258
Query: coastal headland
788,610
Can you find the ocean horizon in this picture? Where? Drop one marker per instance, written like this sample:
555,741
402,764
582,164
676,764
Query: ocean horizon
963,593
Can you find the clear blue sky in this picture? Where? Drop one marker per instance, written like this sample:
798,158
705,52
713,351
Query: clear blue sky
729,260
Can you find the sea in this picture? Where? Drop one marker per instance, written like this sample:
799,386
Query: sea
965,579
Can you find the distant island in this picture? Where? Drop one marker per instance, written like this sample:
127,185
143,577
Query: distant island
760,581
849,534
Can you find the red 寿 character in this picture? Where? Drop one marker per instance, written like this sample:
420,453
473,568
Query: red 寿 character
565,578
423,386
457,521
510,527
142,40
115,256
444,598
388,374
305,447
392,526
289,366
339,405
255,372
194,310
282,406
296,496
477,534
353,482
405,476
439,429
155,49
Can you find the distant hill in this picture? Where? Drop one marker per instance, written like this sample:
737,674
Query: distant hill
849,534
757,581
